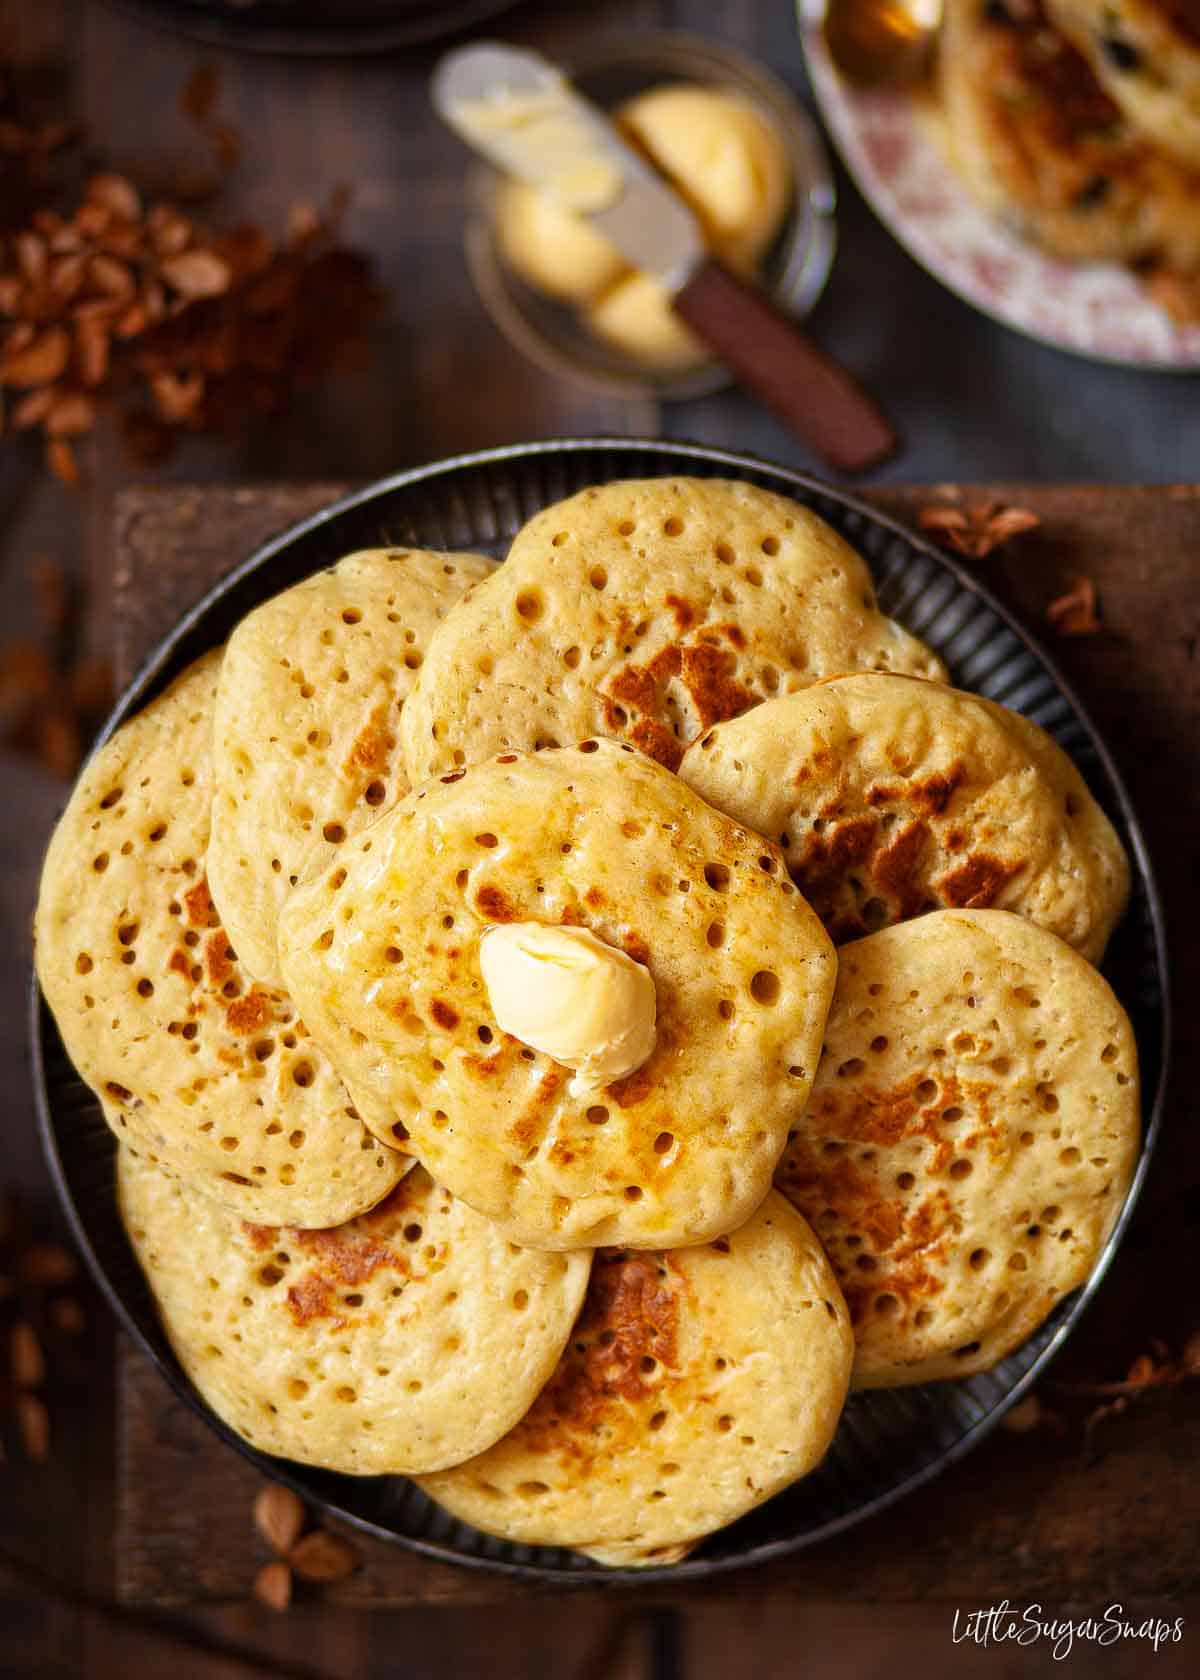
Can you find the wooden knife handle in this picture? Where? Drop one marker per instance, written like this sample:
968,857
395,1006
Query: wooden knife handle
808,390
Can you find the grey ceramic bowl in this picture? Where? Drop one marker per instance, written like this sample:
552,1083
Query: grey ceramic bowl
795,268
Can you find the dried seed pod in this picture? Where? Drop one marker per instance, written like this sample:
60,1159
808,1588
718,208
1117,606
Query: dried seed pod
26,1359
33,1422
117,194
48,1265
67,1315
197,274
278,1517
322,1556
44,359
273,1585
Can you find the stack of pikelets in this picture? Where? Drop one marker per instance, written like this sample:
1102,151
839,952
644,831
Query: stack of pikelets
673,717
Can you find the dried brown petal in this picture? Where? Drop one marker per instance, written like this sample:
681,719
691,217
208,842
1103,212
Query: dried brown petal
198,95
226,143
91,350
976,531
33,409
40,362
57,743
111,277
33,1421
125,240
26,1360
1024,1416
90,686
10,294
278,1517
197,274
27,678
60,458
48,1265
67,276
52,593
273,1585
66,1315
73,414
178,397
170,232
92,220
322,1556
133,322
1077,612
32,256
117,193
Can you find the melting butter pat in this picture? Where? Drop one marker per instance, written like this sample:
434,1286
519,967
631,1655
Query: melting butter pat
565,992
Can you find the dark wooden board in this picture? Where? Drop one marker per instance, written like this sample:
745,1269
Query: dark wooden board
1071,1518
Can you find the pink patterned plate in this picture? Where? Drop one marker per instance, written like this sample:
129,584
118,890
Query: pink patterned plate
1092,309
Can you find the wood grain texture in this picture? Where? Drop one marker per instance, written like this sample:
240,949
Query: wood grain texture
1050,1513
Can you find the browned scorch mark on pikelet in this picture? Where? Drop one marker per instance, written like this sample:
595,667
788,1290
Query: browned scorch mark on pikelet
492,902
531,1121
896,869
247,1014
201,912
443,1015
623,1347
217,964
977,882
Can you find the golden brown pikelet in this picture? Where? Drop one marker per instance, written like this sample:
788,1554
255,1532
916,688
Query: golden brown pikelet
409,1338
1146,56
647,609
305,732
892,797
970,1139
383,952
696,1384
213,1073
1041,144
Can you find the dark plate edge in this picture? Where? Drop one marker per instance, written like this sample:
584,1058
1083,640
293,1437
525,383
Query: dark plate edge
143,683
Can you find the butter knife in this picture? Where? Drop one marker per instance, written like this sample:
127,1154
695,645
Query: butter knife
521,112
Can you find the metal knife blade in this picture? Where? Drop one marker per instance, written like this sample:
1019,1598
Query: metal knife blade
522,113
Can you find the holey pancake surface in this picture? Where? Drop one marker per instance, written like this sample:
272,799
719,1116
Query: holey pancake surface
215,1074
306,733
383,952
696,1384
970,1138
408,1339
892,796
647,609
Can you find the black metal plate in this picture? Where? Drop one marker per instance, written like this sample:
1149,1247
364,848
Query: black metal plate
889,1441
312,29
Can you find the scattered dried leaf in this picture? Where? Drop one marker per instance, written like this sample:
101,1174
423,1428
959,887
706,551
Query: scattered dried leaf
67,1315
1076,613
976,531
321,1556
1024,1416
48,1265
273,1585
26,1359
199,93
279,1517
33,1423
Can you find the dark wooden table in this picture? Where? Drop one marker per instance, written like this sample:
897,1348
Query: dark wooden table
1043,1514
